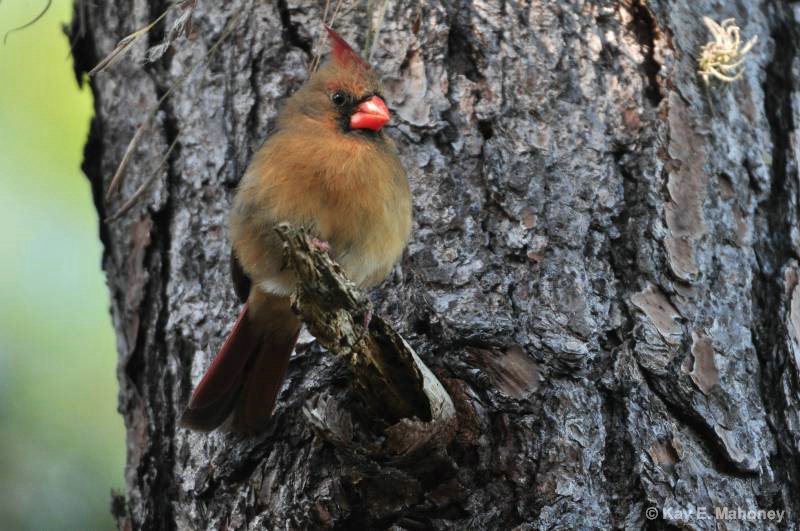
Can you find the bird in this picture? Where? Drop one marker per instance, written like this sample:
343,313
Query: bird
330,167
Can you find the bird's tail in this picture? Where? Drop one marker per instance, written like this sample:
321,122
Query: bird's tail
246,375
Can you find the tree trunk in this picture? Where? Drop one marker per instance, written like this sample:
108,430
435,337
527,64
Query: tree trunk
603,271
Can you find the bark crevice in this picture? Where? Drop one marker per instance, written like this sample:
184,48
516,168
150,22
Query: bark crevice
291,31
774,253
645,27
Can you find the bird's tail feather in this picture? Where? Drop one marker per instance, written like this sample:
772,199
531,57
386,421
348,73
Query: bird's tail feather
244,378
262,384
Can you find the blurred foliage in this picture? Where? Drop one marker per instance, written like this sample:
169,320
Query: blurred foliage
61,440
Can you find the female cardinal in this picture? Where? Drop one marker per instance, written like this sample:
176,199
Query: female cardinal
328,166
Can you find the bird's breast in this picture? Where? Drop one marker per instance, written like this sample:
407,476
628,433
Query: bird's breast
367,227
352,193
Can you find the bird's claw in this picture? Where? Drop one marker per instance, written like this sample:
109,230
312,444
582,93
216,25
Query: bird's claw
367,317
365,320
322,245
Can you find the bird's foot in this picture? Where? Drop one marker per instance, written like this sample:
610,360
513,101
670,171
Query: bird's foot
367,317
322,245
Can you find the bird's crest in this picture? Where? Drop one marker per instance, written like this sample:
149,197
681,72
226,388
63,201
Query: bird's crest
342,52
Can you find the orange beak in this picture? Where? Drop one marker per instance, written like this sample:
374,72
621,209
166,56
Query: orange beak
370,114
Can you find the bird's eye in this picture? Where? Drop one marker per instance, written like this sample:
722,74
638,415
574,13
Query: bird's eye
338,98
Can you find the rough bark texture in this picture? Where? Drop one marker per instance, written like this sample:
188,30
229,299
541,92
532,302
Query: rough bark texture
603,271
402,404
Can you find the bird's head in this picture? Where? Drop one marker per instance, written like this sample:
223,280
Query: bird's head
345,94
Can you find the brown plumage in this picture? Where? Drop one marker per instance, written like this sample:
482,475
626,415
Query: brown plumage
328,166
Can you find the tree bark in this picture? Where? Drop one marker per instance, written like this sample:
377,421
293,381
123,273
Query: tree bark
604,269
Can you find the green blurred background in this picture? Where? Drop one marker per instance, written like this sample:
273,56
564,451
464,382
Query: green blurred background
61,439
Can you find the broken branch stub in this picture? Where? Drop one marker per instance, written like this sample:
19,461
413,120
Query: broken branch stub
394,381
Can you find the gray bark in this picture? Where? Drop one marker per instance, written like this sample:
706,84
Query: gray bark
603,270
